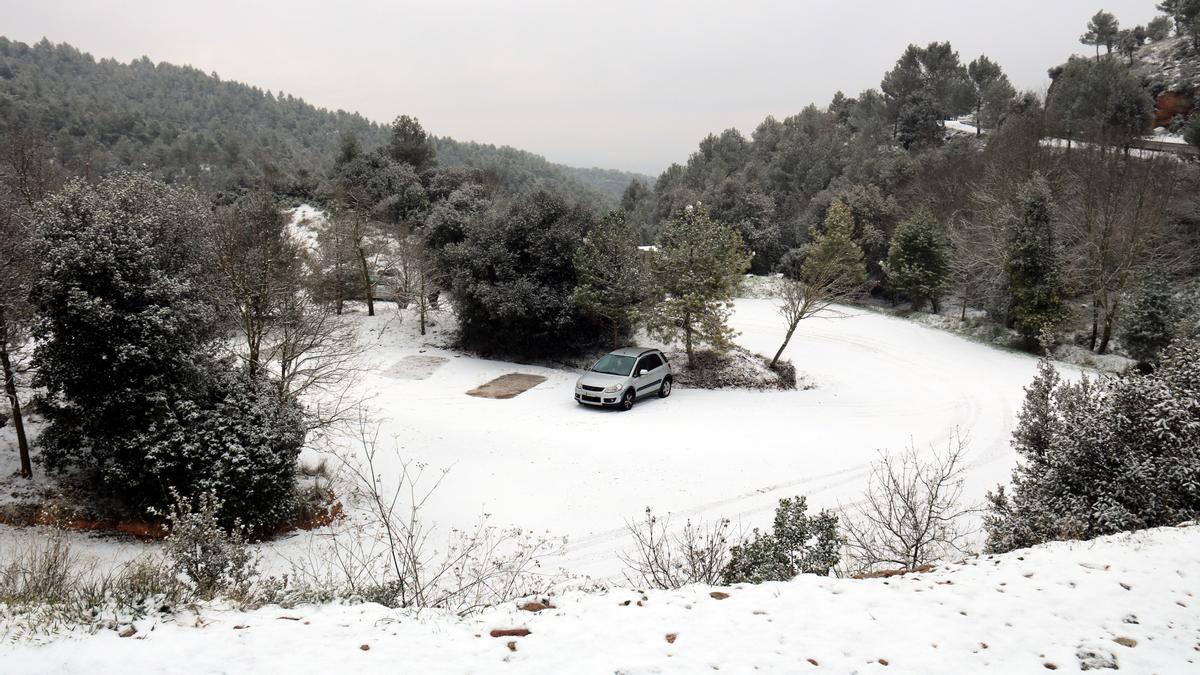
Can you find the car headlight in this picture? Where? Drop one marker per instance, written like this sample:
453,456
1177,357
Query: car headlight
612,388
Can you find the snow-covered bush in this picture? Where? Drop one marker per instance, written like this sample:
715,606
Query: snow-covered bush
697,554
797,544
911,513
1101,457
214,559
235,439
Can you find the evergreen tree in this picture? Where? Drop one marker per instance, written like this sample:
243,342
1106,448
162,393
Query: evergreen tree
1191,134
409,144
696,269
1103,29
1128,42
918,263
920,123
612,284
127,333
1032,263
934,72
992,90
512,275
1151,321
1158,29
1102,100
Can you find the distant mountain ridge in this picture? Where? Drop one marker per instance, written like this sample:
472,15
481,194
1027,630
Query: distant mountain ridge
185,125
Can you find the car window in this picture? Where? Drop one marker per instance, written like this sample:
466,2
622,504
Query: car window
613,364
650,362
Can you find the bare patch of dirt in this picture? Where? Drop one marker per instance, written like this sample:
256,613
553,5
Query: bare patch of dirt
415,367
507,386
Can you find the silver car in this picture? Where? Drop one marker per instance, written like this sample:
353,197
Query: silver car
622,377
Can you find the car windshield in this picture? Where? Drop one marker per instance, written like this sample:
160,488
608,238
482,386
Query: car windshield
613,364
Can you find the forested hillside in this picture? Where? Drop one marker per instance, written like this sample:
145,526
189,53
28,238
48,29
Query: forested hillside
185,125
961,189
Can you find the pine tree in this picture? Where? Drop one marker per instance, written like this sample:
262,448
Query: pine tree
992,91
920,122
1103,29
612,282
696,269
1151,321
409,144
1032,263
919,260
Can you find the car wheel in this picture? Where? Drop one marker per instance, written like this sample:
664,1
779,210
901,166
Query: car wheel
665,390
627,400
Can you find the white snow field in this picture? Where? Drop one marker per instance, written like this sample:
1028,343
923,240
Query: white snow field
542,462
1126,601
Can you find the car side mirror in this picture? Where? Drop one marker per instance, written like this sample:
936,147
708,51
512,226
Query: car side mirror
642,372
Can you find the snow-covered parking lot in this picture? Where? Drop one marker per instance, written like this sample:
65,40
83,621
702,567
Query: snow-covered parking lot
542,462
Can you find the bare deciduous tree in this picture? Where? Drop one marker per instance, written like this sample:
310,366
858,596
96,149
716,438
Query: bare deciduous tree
315,356
1115,228
260,263
912,512
26,176
417,275
697,554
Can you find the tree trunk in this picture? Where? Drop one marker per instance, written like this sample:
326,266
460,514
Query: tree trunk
366,280
687,339
786,339
1110,320
10,390
978,119
422,303
1095,325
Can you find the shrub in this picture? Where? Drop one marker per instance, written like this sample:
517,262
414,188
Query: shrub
214,559
797,544
1101,457
911,514
661,559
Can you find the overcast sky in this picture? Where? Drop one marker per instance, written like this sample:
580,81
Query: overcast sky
627,84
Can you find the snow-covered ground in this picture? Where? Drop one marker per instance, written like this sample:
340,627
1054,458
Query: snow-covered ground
542,462
1127,601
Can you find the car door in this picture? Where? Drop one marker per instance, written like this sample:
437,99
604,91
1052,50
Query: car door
652,364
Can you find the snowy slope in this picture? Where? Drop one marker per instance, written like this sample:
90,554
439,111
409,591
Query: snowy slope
1018,613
